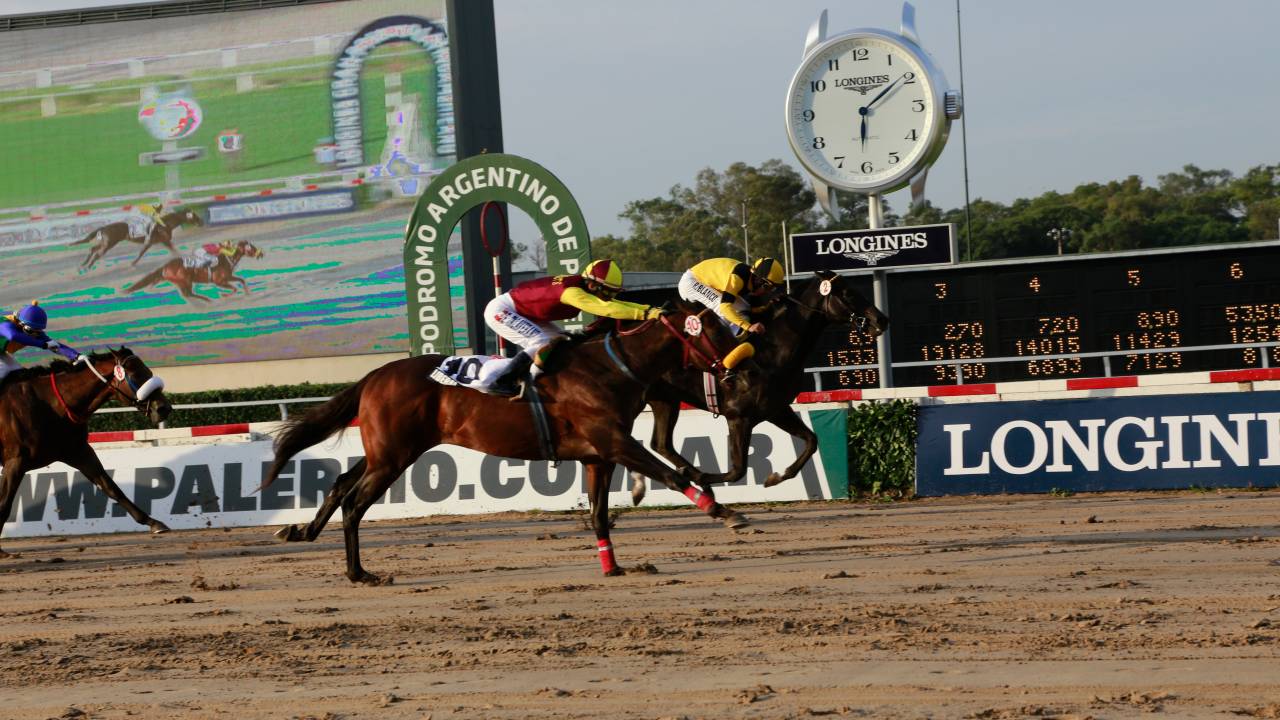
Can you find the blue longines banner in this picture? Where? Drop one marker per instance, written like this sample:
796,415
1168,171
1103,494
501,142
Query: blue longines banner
1133,443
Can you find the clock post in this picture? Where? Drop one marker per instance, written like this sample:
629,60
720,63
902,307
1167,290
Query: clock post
868,111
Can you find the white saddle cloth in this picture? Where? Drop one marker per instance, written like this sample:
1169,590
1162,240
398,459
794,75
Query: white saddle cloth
464,370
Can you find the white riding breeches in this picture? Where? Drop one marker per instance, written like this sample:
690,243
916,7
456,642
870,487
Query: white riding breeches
7,364
529,335
695,292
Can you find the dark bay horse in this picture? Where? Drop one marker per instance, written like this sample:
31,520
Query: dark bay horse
44,416
112,234
184,276
793,327
592,397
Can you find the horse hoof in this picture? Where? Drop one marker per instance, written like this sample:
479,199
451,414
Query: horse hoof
159,528
287,533
773,479
369,578
736,520
637,488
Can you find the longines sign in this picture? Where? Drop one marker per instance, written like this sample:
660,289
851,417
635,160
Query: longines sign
1133,443
874,249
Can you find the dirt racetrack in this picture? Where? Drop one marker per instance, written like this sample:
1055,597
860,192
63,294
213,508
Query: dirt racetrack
1103,606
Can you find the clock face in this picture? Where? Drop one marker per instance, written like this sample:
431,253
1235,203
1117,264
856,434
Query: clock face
862,113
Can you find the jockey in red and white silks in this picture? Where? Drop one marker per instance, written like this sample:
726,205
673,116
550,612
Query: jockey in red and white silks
525,316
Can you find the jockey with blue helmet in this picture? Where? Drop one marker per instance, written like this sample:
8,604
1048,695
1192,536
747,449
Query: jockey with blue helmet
25,328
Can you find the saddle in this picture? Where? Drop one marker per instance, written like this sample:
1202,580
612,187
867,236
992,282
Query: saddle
459,370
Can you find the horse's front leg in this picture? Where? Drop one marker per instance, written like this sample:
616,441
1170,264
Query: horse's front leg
243,284
665,415
788,421
10,479
146,245
598,477
619,447
86,461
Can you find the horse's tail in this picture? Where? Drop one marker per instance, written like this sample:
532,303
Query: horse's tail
314,426
147,280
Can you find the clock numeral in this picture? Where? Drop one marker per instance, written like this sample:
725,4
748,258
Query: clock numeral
913,135
866,167
808,115
859,53
817,85
839,161
819,143
909,78
890,60
917,106
894,159
833,65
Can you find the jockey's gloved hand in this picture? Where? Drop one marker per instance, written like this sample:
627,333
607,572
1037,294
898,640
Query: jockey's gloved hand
653,313
81,358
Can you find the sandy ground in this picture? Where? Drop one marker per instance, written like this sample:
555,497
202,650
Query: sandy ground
1102,606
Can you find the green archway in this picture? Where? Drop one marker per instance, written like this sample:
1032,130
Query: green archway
498,177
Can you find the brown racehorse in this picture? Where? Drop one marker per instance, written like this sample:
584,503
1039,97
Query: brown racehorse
112,234
183,276
794,323
592,397
44,415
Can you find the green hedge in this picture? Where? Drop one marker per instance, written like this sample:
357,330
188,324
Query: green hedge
220,416
882,449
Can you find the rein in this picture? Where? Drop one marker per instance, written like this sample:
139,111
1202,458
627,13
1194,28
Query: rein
857,319
66,408
616,357
714,360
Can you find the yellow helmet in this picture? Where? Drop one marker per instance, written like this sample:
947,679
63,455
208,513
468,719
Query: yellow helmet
605,272
766,268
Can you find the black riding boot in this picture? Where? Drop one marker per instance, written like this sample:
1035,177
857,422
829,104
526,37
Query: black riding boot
508,382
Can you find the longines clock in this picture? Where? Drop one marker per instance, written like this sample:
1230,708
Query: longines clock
868,111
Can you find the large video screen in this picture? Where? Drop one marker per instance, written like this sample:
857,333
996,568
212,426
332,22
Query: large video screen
223,187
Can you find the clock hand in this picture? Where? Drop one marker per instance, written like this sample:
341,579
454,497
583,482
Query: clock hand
883,92
867,108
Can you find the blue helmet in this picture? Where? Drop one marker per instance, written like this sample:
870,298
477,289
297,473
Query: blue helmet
33,317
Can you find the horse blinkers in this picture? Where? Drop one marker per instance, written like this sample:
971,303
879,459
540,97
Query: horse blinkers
148,397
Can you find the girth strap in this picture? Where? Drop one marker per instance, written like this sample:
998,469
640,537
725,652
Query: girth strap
617,359
540,423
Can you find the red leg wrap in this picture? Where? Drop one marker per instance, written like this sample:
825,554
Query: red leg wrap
702,500
607,563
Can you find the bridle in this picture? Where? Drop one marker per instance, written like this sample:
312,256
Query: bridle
119,375
856,318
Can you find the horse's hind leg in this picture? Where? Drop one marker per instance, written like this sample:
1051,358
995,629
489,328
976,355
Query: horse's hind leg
341,487
10,478
86,461
146,245
598,477
377,478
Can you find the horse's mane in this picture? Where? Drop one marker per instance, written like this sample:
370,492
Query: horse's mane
59,365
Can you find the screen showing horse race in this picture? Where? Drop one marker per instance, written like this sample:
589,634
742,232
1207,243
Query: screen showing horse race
225,186
1185,310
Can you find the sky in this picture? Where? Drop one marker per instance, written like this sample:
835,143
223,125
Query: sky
623,100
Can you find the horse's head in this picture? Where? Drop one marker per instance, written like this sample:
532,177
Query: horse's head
134,383
248,249
836,297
